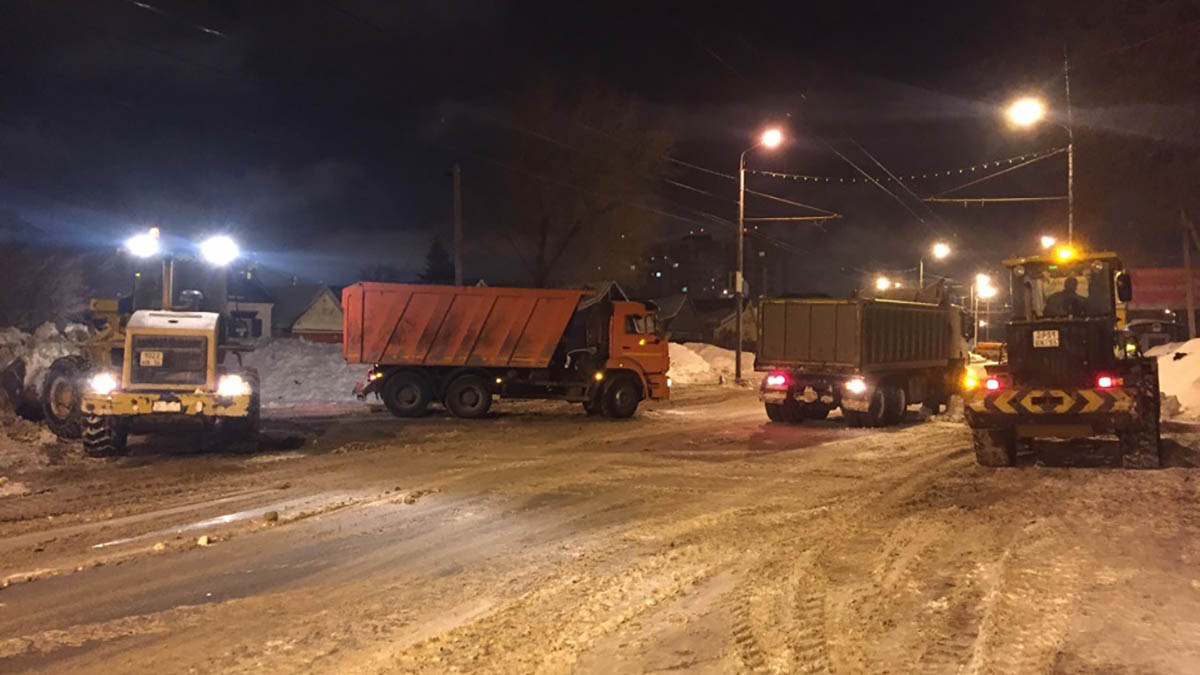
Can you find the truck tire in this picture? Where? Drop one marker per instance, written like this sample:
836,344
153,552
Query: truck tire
876,411
1140,446
621,398
468,396
104,435
895,404
62,396
406,394
995,447
774,411
815,411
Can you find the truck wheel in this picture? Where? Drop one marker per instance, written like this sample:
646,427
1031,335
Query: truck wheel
875,414
815,411
895,404
854,419
995,447
774,411
468,396
104,435
62,396
406,394
621,398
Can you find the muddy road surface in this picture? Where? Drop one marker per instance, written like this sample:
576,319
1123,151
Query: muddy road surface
696,538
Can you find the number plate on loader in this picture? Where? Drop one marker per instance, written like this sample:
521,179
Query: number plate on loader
1045,338
149,359
166,406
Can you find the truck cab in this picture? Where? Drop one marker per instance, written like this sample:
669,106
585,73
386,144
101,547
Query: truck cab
1069,370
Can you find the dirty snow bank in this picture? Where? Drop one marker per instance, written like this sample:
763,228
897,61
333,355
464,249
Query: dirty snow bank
39,349
1179,375
699,363
298,371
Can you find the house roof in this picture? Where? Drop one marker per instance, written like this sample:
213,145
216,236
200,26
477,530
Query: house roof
241,289
291,302
670,306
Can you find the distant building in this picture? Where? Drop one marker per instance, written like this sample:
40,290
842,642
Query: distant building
248,305
702,266
309,311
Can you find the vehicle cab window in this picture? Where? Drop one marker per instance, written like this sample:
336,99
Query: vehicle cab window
640,325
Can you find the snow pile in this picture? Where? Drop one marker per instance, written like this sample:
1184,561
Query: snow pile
1179,374
699,363
39,350
298,371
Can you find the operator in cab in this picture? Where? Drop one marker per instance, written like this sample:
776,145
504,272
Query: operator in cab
1067,302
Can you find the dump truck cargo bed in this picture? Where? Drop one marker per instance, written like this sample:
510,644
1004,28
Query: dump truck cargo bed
420,325
854,335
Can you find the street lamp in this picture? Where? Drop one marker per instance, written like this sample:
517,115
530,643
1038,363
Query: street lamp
982,288
1048,241
882,283
940,251
771,138
1028,111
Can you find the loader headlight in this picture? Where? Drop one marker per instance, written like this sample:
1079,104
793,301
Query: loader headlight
232,385
103,383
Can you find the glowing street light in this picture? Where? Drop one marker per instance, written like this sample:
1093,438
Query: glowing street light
1025,112
1048,241
771,138
882,283
940,250
144,245
219,250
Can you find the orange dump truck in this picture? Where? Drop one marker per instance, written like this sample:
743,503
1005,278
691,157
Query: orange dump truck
463,345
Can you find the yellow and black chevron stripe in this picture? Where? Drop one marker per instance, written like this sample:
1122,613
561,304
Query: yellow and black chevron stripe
1051,401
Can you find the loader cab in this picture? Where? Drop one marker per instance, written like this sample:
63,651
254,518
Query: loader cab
1065,321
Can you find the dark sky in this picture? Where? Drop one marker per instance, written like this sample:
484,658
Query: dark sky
321,133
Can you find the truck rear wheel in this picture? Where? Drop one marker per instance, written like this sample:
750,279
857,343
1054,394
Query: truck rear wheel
62,396
621,398
468,396
774,412
995,447
104,435
872,417
895,404
406,394
814,411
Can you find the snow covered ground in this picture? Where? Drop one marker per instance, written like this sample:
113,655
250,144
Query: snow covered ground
1179,375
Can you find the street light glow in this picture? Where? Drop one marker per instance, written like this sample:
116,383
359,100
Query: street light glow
940,250
882,284
771,138
1026,112
1048,241
143,245
219,250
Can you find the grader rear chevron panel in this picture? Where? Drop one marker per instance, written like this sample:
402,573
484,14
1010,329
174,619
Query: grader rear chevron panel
419,325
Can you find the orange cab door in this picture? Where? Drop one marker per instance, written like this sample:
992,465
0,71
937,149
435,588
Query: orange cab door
635,335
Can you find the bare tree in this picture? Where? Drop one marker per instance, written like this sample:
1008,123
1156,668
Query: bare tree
580,174
41,285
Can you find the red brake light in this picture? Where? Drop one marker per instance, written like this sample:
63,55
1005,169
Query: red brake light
1105,382
776,380
992,384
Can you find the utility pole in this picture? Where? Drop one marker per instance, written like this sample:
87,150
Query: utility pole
737,276
1070,151
1190,283
456,172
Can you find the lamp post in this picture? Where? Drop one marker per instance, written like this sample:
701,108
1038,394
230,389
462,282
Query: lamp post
982,289
771,138
939,251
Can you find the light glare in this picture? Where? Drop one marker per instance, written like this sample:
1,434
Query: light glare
143,245
219,250
941,250
771,138
1026,112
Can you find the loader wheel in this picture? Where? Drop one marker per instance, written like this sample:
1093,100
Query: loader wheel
406,394
468,396
1140,446
621,398
62,396
104,435
895,404
995,447
232,429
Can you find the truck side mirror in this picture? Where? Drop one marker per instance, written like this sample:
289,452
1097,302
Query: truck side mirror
1124,287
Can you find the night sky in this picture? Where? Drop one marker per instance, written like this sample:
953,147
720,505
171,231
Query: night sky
322,133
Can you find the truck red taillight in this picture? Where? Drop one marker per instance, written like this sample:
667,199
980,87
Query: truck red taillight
993,384
777,380
1108,382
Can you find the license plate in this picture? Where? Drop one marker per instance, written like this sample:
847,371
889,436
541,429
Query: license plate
167,406
150,359
1045,338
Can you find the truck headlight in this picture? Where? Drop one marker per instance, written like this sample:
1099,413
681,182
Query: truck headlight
232,385
103,383
856,385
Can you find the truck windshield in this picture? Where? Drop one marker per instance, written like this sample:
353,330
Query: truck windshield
1055,291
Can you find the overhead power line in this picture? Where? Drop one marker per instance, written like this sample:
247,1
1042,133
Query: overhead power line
916,175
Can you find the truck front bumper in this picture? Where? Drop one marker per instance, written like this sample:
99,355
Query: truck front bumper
1053,412
166,403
